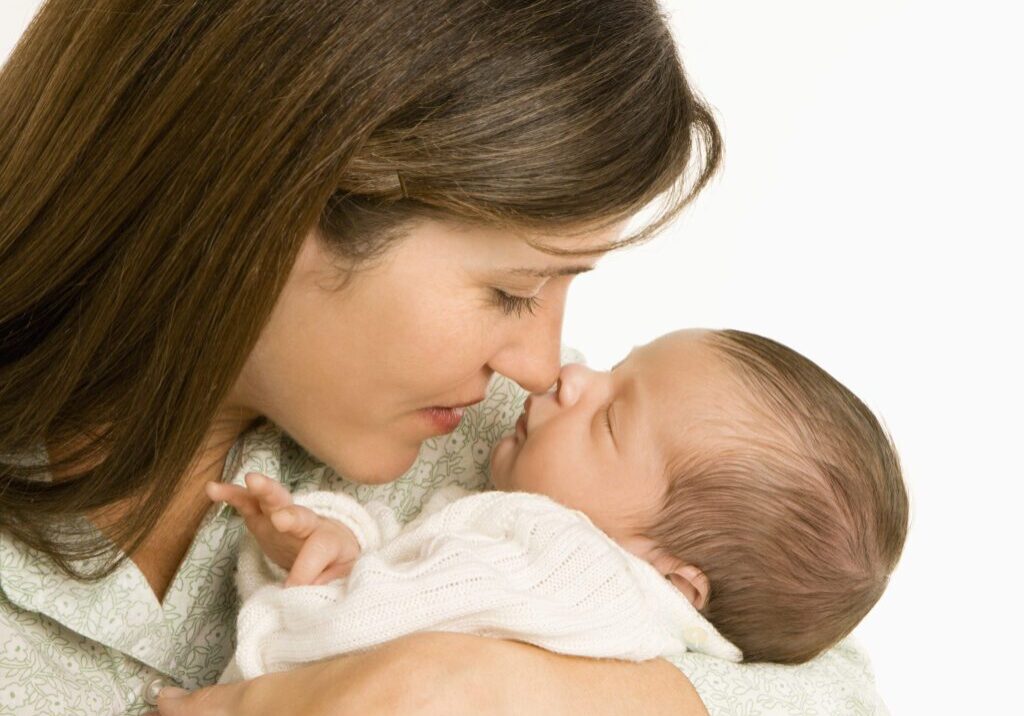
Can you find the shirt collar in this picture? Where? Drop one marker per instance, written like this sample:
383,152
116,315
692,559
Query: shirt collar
32,582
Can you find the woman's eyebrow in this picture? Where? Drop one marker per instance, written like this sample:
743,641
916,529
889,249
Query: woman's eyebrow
549,272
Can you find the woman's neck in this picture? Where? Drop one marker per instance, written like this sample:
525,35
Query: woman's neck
162,550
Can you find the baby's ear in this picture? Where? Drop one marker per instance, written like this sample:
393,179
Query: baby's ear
692,582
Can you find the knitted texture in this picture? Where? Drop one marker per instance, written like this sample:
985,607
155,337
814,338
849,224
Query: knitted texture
505,564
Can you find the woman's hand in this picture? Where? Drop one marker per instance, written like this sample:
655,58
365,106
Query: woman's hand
422,673
435,673
315,549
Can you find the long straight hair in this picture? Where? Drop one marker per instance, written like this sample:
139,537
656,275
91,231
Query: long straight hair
162,162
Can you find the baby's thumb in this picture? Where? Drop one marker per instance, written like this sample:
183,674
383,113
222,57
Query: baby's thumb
170,701
171,692
207,701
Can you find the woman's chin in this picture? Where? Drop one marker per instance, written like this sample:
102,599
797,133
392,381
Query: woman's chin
376,471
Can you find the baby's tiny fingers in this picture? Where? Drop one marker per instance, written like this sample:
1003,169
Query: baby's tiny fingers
316,554
235,495
338,570
271,493
295,520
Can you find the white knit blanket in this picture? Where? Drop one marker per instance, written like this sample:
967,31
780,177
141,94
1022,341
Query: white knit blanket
505,564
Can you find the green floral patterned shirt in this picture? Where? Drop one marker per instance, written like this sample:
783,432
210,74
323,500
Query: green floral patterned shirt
68,647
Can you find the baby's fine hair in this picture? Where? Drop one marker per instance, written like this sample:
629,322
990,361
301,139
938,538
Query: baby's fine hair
797,515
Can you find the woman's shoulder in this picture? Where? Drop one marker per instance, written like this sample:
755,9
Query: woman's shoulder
41,662
838,681
93,647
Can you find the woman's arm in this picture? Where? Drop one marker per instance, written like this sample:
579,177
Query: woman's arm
529,679
398,677
450,674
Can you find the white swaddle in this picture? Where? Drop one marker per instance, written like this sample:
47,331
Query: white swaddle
505,564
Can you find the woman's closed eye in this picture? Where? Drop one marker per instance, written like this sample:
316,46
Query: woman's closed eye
511,304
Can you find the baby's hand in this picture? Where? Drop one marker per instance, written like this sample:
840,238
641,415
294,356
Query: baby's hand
314,549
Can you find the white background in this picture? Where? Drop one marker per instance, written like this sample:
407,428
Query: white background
867,215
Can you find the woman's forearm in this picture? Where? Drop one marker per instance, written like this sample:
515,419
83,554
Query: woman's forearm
539,681
452,674
449,674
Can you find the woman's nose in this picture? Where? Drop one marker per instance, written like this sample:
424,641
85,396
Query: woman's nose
532,356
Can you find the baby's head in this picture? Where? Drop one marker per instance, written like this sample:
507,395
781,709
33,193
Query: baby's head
753,480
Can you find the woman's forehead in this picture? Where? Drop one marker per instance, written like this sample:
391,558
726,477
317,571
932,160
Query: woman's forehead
528,253
593,240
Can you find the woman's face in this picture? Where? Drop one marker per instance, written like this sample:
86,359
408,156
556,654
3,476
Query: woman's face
352,374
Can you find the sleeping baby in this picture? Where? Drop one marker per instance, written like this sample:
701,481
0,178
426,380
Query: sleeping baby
715,491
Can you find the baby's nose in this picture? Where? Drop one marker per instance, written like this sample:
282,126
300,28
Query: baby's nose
572,381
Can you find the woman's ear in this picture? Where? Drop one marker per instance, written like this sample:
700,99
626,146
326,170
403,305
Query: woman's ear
692,582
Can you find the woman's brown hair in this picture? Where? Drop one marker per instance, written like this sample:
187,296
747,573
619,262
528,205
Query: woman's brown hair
162,162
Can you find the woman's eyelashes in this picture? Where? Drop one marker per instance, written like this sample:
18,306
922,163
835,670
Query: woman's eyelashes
511,304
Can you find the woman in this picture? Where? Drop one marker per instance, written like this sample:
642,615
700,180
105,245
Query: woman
340,217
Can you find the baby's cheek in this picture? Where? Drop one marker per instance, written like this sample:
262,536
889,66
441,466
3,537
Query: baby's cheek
499,463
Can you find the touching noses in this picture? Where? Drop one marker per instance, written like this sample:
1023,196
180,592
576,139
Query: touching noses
573,380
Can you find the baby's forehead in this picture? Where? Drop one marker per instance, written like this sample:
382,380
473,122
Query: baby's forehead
685,370
691,397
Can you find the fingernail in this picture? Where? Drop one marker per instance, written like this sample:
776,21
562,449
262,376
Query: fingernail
172,692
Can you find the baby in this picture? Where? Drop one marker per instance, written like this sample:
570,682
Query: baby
714,491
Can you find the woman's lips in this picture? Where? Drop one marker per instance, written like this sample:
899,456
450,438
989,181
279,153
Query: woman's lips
443,420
